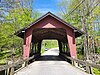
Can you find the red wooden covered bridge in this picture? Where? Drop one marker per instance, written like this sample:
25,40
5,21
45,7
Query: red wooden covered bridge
49,26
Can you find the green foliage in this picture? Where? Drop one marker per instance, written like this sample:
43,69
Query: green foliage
2,61
21,17
96,71
48,44
83,17
15,19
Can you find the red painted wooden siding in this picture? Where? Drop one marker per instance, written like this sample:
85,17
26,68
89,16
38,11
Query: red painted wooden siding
49,22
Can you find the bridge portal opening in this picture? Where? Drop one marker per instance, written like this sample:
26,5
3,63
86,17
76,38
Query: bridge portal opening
48,45
44,39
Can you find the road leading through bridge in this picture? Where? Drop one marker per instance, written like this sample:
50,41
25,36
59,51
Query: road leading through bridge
50,64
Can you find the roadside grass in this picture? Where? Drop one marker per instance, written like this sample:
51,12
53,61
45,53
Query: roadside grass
96,71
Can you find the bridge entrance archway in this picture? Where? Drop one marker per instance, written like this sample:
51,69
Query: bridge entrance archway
40,34
49,26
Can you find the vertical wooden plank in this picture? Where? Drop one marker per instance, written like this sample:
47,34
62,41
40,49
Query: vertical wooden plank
88,68
12,71
27,42
71,42
60,46
8,71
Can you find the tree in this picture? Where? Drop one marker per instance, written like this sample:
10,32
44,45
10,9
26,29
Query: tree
83,14
15,18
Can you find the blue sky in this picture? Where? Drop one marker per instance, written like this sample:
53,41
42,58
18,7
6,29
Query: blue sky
45,6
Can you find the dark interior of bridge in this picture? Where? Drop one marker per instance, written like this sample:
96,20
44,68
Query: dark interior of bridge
40,34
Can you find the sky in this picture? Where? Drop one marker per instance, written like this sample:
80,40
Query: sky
45,6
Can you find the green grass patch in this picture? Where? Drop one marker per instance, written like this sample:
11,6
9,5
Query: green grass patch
96,71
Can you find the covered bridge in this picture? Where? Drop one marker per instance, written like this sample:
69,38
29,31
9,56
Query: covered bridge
49,26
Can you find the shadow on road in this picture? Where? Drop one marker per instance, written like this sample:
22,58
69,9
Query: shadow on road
50,58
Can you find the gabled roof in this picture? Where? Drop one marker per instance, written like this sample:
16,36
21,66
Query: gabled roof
77,31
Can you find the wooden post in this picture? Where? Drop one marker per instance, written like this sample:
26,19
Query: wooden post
39,46
23,65
60,46
88,68
74,62
12,71
26,63
8,71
